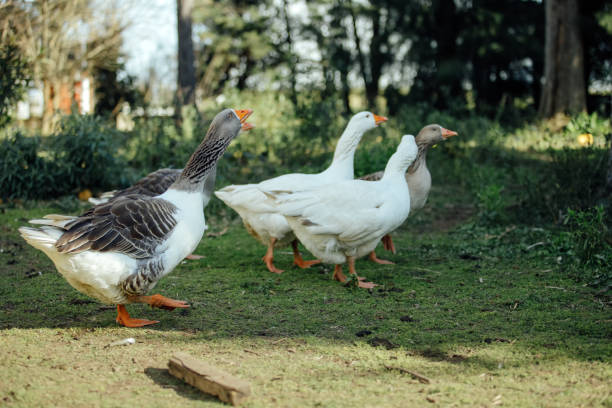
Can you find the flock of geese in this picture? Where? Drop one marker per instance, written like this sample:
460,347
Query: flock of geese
118,250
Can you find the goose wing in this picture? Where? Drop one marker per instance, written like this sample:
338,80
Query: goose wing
134,225
351,210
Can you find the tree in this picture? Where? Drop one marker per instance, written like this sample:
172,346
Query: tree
235,43
14,74
61,38
186,61
564,89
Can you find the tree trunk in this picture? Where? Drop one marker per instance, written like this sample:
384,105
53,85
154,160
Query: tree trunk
186,66
291,57
608,187
564,89
360,57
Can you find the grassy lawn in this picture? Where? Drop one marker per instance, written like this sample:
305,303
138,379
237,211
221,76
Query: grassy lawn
490,319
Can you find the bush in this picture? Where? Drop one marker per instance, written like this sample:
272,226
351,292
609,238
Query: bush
586,247
86,152
83,153
23,172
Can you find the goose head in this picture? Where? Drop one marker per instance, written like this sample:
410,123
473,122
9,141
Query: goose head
228,123
433,134
365,121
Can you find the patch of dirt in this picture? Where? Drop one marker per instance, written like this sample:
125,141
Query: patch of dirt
442,218
363,333
379,341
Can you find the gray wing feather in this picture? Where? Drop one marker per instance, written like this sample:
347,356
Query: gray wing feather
152,184
134,225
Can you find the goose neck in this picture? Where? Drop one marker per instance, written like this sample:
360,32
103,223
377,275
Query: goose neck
345,149
202,164
421,159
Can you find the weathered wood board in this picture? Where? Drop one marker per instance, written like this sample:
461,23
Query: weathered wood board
209,379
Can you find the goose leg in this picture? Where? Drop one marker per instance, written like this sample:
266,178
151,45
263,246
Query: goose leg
351,264
377,260
124,319
388,243
338,275
269,257
297,257
161,302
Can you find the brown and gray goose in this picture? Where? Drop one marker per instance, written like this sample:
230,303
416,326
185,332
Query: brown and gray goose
417,176
116,252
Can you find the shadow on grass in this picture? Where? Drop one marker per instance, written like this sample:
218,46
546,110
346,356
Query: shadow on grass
162,377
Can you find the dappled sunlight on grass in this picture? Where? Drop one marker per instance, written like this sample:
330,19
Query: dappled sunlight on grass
481,312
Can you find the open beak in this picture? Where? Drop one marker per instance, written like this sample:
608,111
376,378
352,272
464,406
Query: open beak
243,114
448,133
247,126
379,119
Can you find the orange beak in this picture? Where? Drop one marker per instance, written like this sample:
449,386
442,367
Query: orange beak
247,126
448,133
379,119
243,114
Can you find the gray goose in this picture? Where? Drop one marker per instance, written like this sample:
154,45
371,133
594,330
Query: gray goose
417,176
116,252
153,184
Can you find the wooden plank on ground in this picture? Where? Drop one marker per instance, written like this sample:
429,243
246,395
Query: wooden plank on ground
209,379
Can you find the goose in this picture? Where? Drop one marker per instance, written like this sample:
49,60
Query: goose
157,182
258,211
417,176
117,251
344,221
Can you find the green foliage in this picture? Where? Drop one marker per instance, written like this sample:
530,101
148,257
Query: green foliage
84,148
14,75
584,249
588,123
23,172
572,178
82,153
588,233
155,143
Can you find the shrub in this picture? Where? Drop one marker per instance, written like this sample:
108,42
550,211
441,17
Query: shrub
586,247
23,172
86,151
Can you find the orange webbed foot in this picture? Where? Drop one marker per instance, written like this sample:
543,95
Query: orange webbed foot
377,260
269,258
163,302
270,264
297,257
124,319
366,285
194,257
305,264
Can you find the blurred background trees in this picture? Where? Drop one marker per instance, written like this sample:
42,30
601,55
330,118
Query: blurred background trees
506,60
526,83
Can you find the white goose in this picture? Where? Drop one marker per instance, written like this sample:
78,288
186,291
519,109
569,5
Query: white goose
344,221
417,176
258,211
117,251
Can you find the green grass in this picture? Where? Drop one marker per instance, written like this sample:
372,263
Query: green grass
489,319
